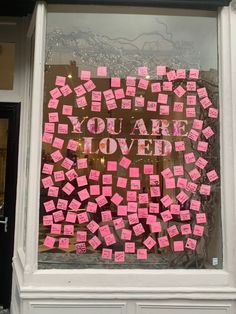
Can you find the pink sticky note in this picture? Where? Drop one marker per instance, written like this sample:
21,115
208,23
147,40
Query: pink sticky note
59,176
134,172
166,215
83,218
82,163
190,112
167,173
182,183
193,135
171,75
150,219
49,206
175,209
72,145
68,188
126,234
102,71
141,254
106,215
58,143
154,179
213,113
156,87
89,85
91,207
191,86
135,184
154,208
194,73
67,163
96,106
108,94
212,175
119,93
121,182
118,223
182,197
116,199
139,101
163,241
49,127
49,242
82,181
81,102
62,128
191,244
178,246
85,75
107,253
110,239
133,219
53,191
53,103
155,191
184,215
189,158
58,216
47,138
162,99
202,146
167,86
62,204
47,182
64,243
68,230
170,183
83,194
92,226
149,242
178,170
81,236
107,191
130,247
107,179
191,100
55,229
179,91
201,163
192,187
208,132
151,106
161,70
111,165
205,189
181,73
131,196
104,230
125,162
205,102
143,213
55,93
53,117
126,104
60,80
47,220
202,92
71,175
142,71
94,189
178,107
143,84
119,257
66,90
94,175
143,198
138,229
115,81
194,174
122,210
74,204
148,169
198,230
172,231
186,229
71,217
95,242
156,227
80,248
79,90
101,200
195,205
201,218
96,96
111,104
130,91
166,200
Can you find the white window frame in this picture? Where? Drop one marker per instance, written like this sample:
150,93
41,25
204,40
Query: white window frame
137,283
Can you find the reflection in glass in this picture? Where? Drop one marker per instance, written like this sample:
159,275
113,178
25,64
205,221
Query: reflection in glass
3,156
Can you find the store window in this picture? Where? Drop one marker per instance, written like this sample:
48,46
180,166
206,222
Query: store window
130,174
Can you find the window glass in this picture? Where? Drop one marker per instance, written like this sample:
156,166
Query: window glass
130,143
7,64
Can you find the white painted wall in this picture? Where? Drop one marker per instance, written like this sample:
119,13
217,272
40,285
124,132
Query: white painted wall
116,291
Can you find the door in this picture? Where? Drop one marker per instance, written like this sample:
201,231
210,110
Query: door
9,131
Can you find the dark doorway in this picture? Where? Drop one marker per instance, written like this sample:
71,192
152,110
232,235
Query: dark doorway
9,135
